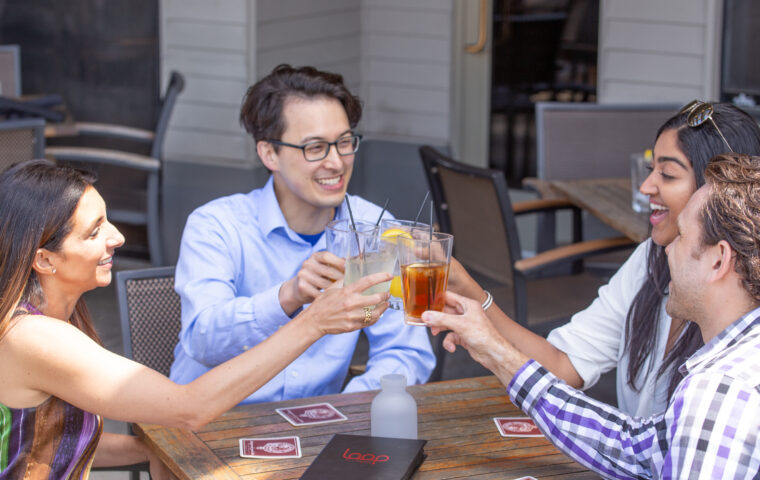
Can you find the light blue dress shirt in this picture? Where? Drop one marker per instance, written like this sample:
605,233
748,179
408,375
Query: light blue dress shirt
235,254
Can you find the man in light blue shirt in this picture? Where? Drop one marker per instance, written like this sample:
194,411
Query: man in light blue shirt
250,262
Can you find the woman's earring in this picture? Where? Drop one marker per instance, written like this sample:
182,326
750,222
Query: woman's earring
54,270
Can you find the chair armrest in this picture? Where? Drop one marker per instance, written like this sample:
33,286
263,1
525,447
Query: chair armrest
101,130
569,253
102,155
540,205
543,188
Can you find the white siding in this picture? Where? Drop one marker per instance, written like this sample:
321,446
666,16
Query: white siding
322,33
395,54
208,41
406,69
654,50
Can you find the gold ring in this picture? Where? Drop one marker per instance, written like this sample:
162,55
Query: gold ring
367,315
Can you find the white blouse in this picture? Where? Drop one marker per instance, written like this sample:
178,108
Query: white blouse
594,340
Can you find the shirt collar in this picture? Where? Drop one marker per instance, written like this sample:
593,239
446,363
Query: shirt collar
722,341
270,213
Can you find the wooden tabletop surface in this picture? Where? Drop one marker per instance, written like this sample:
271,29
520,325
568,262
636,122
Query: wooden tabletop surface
455,416
608,199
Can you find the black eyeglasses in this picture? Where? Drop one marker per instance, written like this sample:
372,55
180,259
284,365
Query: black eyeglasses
700,112
318,150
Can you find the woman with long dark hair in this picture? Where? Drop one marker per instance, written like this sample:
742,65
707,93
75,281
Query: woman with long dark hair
57,380
626,326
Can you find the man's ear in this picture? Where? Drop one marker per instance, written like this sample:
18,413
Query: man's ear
267,155
43,263
723,258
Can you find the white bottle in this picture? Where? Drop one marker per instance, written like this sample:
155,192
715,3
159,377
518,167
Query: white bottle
393,412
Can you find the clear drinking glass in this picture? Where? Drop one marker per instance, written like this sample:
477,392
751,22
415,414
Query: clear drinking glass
640,165
391,228
363,249
424,260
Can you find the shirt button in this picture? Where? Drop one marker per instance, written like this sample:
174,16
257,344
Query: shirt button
293,374
246,347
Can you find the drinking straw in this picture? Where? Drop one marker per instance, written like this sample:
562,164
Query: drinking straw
381,213
419,212
430,241
353,225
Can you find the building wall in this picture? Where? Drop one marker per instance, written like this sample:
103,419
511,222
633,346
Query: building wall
659,51
395,54
406,69
209,42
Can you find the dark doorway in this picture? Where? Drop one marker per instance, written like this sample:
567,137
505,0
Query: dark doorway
543,50
101,56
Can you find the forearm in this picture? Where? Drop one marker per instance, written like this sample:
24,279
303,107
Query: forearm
116,450
591,432
535,347
228,384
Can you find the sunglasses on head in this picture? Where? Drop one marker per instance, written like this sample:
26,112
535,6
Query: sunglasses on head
698,113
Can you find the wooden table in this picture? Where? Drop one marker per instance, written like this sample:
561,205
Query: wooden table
608,199
456,417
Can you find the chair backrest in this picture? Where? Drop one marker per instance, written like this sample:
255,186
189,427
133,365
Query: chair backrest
589,140
150,314
21,140
173,89
473,204
10,71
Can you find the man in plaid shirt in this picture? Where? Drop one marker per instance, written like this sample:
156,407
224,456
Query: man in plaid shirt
711,428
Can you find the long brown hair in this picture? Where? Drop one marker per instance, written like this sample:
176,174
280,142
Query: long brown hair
699,145
37,204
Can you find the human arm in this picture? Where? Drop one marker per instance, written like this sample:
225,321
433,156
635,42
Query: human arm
395,347
531,344
598,445
117,450
591,343
60,360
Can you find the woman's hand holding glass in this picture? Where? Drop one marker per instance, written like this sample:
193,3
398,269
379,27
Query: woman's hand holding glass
341,309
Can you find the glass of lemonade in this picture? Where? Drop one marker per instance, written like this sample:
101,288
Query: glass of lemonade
424,259
363,249
390,229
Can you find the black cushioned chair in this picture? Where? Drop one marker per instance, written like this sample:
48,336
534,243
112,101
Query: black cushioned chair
150,314
21,140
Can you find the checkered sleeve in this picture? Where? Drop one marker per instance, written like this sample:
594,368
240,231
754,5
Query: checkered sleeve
594,434
714,427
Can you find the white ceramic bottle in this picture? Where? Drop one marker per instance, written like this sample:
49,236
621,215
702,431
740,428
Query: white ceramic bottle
393,412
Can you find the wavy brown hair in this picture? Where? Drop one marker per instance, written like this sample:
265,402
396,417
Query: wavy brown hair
37,204
732,213
261,113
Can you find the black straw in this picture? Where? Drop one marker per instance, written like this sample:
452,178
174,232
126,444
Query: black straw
416,219
353,225
381,213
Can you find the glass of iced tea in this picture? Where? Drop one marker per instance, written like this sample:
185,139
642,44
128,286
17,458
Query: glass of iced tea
424,258
392,228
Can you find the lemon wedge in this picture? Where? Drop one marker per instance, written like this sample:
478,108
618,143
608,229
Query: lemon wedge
395,289
392,233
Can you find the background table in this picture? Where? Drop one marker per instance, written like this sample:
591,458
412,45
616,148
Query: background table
456,417
608,199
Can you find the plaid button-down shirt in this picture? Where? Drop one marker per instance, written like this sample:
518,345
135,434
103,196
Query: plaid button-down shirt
711,428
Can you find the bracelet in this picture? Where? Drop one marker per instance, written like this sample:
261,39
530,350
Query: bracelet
488,301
